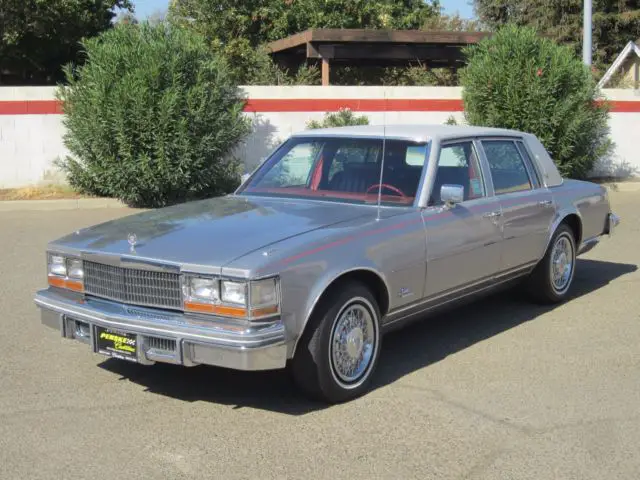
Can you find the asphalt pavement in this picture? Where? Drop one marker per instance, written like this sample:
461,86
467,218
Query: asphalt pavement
500,389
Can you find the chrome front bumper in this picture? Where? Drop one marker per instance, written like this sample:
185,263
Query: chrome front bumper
170,337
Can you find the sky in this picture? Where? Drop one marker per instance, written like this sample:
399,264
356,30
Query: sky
144,8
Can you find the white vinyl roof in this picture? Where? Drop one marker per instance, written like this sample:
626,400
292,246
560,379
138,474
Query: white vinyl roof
417,133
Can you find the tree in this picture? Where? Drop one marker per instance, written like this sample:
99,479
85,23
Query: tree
519,80
127,17
262,21
452,23
615,22
239,30
37,37
249,65
152,118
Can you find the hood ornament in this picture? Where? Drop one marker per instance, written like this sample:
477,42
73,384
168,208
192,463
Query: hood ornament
132,238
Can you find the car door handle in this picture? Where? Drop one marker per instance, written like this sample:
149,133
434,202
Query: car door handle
492,214
545,203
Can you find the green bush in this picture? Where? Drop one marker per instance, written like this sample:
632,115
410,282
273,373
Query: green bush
342,118
152,118
517,79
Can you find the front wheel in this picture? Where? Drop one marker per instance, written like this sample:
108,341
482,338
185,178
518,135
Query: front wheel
339,351
551,280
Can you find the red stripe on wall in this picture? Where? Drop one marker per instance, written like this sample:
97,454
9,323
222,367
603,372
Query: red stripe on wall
357,105
30,107
259,105
625,106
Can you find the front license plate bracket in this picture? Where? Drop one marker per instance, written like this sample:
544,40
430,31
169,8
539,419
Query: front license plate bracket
116,344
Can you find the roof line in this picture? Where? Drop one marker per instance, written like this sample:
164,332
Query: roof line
626,51
348,35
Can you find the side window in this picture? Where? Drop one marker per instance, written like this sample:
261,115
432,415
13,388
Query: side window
294,169
458,165
508,169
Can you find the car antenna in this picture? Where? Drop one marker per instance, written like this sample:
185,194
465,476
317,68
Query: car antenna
384,142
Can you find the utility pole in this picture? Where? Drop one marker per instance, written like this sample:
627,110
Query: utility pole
586,33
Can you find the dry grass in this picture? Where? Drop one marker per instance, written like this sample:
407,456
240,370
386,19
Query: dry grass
47,192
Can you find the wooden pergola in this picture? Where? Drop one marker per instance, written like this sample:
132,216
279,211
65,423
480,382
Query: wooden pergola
373,47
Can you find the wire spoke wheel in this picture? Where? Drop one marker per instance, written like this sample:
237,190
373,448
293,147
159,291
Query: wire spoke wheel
353,342
340,349
562,263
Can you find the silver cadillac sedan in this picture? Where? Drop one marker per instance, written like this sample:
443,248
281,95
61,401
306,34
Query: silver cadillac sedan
338,237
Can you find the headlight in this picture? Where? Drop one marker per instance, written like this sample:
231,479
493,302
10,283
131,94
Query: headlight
74,269
234,292
57,265
204,289
231,298
63,272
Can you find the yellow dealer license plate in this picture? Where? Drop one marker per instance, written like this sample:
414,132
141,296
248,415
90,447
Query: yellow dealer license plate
116,344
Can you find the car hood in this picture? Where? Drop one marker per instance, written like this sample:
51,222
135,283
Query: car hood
209,232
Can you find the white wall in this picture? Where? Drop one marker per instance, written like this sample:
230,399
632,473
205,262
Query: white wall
30,143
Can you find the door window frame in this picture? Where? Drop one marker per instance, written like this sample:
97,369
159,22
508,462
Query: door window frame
427,183
532,174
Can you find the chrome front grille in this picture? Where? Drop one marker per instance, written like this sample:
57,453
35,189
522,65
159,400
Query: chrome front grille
133,286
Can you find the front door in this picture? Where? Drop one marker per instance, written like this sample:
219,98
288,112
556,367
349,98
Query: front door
464,241
527,206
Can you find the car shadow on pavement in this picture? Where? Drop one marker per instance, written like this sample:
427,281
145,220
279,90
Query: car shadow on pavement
414,347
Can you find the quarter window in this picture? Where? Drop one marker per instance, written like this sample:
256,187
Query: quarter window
508,169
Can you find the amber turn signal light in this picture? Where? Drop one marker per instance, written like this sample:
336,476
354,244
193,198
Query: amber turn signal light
65,283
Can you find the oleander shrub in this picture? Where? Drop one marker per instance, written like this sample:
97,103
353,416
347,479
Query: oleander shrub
342,118
151,118
520,80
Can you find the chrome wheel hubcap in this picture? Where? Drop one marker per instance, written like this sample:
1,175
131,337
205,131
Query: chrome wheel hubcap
352,343
561,264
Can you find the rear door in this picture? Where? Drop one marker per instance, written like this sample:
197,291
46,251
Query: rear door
463,242
527,206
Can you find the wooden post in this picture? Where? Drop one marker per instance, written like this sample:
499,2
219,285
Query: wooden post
325,72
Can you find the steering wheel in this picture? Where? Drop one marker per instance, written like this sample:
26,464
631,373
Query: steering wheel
390,187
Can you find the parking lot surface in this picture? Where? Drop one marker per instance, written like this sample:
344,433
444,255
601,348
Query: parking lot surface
500,389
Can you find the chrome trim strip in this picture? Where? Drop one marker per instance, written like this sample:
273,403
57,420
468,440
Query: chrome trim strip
488,285
483,283
126,261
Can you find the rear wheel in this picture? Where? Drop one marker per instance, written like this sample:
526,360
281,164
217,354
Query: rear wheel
551,280
339,350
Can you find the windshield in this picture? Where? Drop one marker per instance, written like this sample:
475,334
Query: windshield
343,169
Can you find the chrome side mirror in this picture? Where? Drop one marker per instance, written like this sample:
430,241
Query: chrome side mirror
451,194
